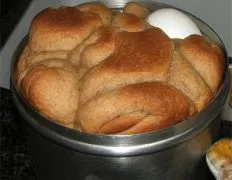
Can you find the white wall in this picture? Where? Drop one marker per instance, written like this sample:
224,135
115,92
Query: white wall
217,13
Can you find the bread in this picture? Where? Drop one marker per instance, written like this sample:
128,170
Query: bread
97,8
137,9
219,159
194,86
129,22
61,29
101,41
100,72
135,108
206,57
129,64
52,87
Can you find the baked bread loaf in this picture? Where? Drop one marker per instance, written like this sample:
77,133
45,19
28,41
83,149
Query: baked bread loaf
97,71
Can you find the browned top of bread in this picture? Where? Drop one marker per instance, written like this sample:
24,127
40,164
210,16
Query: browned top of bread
136,9
129,22
112,73
98,46
99,9
112,112
61,29
52,87
206,57
193,86
138,57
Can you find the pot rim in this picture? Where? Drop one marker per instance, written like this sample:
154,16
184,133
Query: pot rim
124,145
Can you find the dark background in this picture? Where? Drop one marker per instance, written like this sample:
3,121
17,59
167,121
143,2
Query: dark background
11,11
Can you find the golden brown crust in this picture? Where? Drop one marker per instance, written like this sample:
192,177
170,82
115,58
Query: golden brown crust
185,78
130,77
129,22
154,100
51,86
137,9
28,58
206,57
97,47
33,58
138,57
99,9
61,29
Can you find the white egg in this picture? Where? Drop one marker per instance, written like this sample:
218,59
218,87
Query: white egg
173,22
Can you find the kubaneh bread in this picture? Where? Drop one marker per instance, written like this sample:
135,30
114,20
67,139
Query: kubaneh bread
97,71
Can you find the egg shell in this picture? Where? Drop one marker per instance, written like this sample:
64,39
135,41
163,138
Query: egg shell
173,22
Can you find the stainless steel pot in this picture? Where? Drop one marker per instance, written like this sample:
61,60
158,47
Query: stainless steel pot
173,153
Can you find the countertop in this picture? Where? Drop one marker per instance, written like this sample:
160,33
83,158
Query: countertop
15,164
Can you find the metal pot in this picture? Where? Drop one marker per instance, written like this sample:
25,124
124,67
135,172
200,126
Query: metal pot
176,152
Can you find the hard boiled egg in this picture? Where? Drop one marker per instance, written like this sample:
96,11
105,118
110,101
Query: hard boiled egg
173,22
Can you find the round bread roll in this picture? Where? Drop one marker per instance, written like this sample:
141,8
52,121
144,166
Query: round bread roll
51,86
129,22
100,72
99,9
206,57
61,29
136,9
